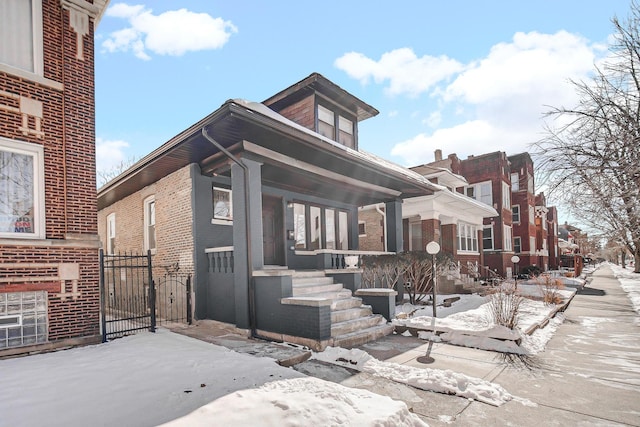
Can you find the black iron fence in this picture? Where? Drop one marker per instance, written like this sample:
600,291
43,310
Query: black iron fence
127,294
132,301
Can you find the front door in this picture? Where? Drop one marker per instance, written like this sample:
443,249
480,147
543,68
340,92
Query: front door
272,230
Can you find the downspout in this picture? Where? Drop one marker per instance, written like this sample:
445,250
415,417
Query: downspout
384,221
247,209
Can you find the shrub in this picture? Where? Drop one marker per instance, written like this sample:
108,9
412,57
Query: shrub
504,305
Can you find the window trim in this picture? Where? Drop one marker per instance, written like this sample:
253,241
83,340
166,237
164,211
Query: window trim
37,152
493,244
37,45
220,219
507,238
146,202
468,233
476,187
515,208
519,240
515,184
111,226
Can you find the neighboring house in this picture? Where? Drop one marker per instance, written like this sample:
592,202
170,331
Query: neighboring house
49,290
448,217
532,223
259,201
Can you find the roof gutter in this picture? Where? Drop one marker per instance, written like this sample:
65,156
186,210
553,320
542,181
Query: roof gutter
247,210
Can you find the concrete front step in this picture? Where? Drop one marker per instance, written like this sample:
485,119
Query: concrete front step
352,325
311,280
338,316
315,288
360,337
345,303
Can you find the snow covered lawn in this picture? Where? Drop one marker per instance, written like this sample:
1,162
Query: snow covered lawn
150,379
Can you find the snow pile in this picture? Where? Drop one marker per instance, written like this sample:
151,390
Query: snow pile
437,380
630,283
301,402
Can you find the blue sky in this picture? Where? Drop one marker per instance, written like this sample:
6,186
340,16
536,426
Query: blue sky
468,77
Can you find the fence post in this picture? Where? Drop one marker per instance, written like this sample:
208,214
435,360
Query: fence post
103,299
152,294
189,315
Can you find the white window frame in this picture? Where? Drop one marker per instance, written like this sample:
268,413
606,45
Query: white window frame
507,238
506,196
111,233
413,223
149,221
515,211
532,244
481,191
467,237
515,181
218,217
519,244
37,43
493,245
37,153
532,215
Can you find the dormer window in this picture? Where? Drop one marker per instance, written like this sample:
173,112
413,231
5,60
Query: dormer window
329,120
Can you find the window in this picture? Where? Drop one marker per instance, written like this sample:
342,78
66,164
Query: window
316,228
515,214
517,245
467,237
487,237
345,134
312,223
222,206
150,224
515,182
506,196
326,122
300,225
329,121
362,228
21,190
508,240
415,236
21,33
111,233
481,192
532,219
532,244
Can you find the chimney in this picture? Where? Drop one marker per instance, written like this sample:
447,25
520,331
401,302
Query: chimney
438,155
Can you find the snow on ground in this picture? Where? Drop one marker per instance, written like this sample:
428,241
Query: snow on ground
468,322
630,283
149,379
438,380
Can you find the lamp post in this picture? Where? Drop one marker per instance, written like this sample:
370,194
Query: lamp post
432,248
515,260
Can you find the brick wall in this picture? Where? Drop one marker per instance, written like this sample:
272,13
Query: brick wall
174,220
302,112
373,240
66,95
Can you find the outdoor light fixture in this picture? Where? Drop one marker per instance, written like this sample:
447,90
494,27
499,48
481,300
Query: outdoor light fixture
432,249
515,260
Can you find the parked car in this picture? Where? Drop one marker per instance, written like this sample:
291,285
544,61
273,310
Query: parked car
559,277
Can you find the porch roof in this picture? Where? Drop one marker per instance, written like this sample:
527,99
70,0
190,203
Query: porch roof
303,159
450,206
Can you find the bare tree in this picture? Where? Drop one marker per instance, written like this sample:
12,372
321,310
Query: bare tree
590,158
104,176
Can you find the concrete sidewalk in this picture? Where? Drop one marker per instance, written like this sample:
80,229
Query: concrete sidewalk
589,373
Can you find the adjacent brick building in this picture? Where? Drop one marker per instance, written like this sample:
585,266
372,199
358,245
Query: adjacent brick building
49,290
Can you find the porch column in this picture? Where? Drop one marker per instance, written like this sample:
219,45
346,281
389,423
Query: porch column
393,210
244,244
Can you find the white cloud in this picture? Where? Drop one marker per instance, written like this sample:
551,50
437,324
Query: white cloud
174,32
495,103
406,73
110,154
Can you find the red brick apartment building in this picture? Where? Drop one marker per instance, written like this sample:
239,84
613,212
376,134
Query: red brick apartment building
49,287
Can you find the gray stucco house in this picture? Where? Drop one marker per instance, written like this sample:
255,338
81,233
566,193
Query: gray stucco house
260,202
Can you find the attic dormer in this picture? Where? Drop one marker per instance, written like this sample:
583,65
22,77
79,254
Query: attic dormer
320,105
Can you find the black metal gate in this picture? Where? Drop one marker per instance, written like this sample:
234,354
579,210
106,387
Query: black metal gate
173,298
127,294
133,301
